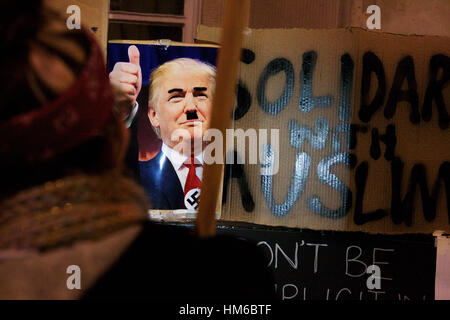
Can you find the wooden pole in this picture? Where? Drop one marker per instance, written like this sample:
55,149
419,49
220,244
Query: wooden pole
235,20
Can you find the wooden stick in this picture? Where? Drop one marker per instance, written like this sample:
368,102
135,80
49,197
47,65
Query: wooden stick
235,20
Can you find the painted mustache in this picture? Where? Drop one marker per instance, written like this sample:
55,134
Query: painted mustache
191,115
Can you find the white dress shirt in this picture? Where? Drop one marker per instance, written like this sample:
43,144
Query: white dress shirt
177,159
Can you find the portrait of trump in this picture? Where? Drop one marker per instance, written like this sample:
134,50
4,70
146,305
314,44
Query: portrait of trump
179,109
175,116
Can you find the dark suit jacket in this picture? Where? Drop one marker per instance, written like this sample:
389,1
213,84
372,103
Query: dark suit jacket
161,183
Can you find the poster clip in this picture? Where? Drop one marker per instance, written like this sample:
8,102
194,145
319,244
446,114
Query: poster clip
164,42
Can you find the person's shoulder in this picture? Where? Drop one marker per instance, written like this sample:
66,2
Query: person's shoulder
238,266
168,261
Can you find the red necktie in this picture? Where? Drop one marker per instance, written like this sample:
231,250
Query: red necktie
191,199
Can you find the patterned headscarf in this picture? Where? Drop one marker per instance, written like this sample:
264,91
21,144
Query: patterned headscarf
64,123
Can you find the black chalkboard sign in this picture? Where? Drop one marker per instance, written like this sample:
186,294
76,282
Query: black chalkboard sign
329,265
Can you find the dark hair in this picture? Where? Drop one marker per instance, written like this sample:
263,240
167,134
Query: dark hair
25,27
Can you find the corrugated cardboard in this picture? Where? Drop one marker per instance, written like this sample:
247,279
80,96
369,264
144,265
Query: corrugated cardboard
94,15
424,143
397,16
284,13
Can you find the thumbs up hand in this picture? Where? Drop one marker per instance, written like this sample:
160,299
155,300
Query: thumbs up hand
126,80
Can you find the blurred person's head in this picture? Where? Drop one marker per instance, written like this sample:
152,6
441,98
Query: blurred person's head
55,103
180,97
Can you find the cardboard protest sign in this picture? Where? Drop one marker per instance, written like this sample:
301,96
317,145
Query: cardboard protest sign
364,143
330,265
92,14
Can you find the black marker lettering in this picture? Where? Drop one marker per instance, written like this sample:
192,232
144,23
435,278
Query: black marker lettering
405,69
236,170
434,90
402,210
359,217
371,63
389,139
